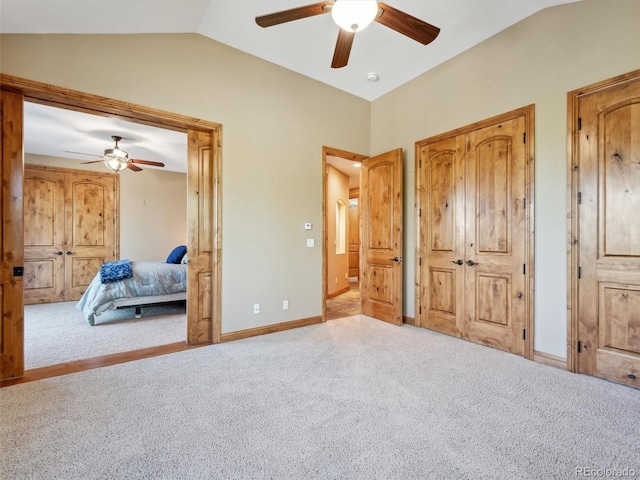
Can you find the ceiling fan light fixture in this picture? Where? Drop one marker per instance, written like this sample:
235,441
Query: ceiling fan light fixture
116,159
354,15
116,164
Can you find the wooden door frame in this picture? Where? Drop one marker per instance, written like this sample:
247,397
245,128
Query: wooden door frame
354,157
573,160
45,94
529,116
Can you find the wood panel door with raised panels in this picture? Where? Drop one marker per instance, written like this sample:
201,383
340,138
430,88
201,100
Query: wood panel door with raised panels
609,234
443,176
472,234
495,236
44,236
90,229
70,230
381,209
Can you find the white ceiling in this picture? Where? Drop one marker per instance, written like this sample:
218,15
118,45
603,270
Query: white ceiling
55,131
304,46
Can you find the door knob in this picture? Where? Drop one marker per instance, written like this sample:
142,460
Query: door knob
396,259
471,263
457,262
58,253
69,252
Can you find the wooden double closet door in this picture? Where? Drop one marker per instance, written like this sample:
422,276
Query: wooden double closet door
70,229
473,251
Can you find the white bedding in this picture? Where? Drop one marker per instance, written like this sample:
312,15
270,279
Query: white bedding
150,279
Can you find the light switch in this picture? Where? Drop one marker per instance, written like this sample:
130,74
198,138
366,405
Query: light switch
307,226
311,243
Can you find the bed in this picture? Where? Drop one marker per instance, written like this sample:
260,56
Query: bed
151,283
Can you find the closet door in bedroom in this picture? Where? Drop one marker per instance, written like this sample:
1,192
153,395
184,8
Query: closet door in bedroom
474,266
70,226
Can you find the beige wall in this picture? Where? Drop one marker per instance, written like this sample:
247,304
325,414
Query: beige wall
153,206
337,263
274,124
536,62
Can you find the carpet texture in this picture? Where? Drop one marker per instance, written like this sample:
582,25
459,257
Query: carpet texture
58,332
351,398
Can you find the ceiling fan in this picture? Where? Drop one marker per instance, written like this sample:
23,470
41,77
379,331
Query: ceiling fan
117,159
353,16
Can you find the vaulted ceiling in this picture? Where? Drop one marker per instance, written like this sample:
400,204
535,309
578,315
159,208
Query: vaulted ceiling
305,46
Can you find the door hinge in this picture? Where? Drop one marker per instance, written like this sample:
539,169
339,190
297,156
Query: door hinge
419,212
524,203
420,309
524,137
420,163
579,198
579,346
524,333
579,123
420,261
524,268
579,272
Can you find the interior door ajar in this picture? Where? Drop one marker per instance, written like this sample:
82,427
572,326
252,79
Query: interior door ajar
11,237
381,199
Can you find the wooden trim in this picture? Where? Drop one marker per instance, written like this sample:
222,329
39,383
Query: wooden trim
355,157
409,320
276,327
338,292
573,160
97,362
528,113
46,94
550,360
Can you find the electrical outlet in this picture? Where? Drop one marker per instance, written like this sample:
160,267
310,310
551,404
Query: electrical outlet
285,304
256,308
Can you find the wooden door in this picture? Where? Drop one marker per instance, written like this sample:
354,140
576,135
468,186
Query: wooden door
354,236
495,236
381,209
202,187
443,218
11,237
44,236
609,234
90,229
472,232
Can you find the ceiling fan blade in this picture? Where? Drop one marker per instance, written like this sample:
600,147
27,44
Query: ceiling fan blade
94,161
147,162
407,25
80,153
133,167
343,48
293,14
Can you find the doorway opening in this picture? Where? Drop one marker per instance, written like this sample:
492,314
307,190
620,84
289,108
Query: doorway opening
145,217
342,234
203,213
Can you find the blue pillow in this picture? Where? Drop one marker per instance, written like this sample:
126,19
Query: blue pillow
176,254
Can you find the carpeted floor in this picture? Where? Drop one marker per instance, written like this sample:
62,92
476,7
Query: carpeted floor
58,332
349,399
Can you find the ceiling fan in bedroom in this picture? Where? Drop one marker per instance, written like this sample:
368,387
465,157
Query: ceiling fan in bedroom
117,159
352,16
